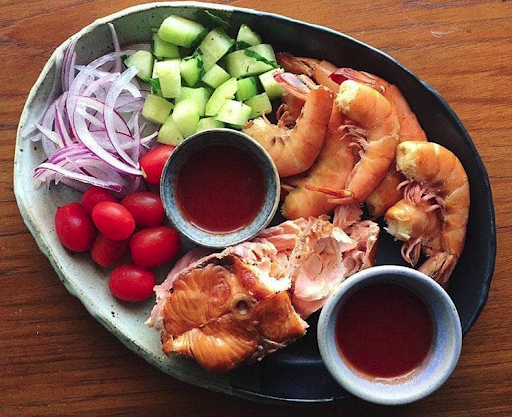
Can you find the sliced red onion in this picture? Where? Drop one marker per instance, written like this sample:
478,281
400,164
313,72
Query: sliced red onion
45,169
92,120
119,85
50,135
60,126
72,151
67,73
101,136
85,137
79,83
117,47
119,122
98,73
135,150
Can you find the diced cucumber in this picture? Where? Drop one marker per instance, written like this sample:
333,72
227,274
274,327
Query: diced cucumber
270,85
156,109
234,113
238,64
213,47
225,91
169,133
180,31
168,72
199,95
215,76
208,123
245,34
191,69
143,61
163,49
259,105
247,88
186,117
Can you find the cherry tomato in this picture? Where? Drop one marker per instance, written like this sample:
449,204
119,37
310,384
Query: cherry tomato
145,207
74,227
131,283
113,220
154,246
95,195
153,162
107,252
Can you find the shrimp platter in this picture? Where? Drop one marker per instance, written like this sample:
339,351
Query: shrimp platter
214,183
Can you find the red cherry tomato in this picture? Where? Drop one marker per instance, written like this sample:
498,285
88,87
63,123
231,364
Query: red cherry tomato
153,162
95,195
131,283
107,252
146,208
154,246
113,220
74,227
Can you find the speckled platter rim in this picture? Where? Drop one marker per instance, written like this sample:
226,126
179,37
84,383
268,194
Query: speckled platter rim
215,384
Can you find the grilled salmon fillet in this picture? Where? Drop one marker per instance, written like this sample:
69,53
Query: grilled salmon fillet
229,308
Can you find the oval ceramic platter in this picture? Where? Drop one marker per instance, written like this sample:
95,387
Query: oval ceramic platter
295,374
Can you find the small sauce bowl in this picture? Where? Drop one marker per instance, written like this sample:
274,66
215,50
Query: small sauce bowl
201,141
439,362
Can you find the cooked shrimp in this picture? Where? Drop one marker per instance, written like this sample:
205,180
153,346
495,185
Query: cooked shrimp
387,193
332,167
320,71
436,176
413,221
378,138
294,150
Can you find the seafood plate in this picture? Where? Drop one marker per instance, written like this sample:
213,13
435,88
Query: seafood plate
294,374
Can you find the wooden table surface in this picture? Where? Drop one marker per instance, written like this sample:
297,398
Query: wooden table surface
56,360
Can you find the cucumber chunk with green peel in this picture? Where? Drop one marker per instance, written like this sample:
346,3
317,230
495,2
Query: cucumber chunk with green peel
225,91
213,47
239,64
215,76
234,113
163,49
180,31
270,85
199,95
209,123
186,117
169,133
259,105
143,61
245,34
191,69
156,109
247,88
168,72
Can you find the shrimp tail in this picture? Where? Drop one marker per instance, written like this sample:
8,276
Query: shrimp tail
329,191
340,196
439,267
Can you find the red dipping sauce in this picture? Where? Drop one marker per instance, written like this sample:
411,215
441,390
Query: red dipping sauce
384,331
220,189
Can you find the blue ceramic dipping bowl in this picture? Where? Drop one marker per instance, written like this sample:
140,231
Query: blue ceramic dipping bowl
440,361
215,137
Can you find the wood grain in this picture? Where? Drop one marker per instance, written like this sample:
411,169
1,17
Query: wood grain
56,360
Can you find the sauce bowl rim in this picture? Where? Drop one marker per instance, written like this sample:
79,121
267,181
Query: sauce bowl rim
214,239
